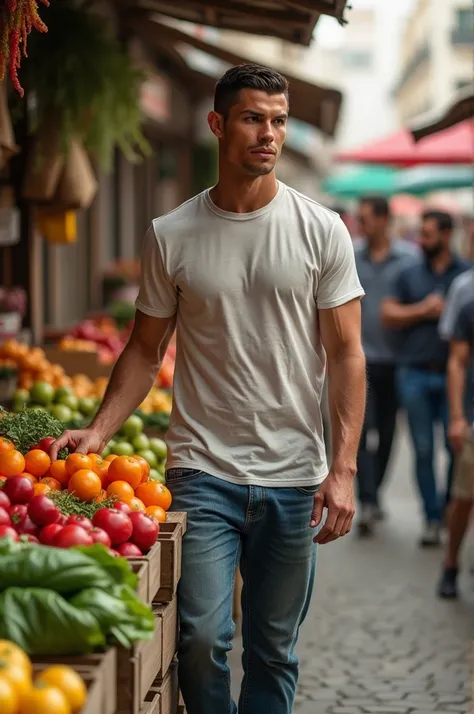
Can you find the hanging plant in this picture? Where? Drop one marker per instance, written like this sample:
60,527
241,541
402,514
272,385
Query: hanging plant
84,81
17,19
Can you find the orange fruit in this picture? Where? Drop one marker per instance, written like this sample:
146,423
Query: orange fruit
85,484
37,462
32,478
52,483
111,457
76,462
57,470
145,466
125,468
135,503
156,512
154,493
6,444
12,463
101,497
40,489
100,466
120,489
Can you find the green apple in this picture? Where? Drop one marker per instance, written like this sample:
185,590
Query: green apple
159,448
61,412
132,427
123,448
149,456
87,406
69,400
156,475
42,393
140,442
62,392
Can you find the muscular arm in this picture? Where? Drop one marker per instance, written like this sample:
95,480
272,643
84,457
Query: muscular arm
130,382
457,365
341,336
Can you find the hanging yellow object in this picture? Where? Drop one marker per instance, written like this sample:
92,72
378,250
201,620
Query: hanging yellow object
57,226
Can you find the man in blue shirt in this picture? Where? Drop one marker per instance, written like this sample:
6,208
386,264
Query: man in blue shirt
378,258
413,309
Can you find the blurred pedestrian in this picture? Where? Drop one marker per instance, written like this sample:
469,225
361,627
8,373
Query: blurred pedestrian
457,325
414,307
378,258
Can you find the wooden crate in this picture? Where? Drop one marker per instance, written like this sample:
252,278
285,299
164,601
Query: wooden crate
163,699
180,517
99,672
149,576
170,537
148,661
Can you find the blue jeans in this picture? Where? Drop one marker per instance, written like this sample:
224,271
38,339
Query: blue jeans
267,531
423,395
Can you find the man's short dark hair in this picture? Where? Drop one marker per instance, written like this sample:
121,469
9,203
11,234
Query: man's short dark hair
379,205
444,220
247,76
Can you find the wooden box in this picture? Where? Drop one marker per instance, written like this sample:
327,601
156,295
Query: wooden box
180,517
147,662
99,672
150,576
170,537
163,699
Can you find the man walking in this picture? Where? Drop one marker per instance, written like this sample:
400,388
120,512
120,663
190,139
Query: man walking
378,258
414,308
262,285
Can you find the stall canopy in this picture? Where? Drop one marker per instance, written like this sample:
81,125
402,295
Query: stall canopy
291,20
425,179
310,103
451,146
460,108
363,180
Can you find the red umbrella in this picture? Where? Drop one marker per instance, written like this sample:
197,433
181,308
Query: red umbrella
451,146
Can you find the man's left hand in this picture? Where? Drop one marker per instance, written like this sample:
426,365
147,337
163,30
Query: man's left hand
337,495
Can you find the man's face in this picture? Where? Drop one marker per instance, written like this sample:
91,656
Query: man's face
371,226
432,241
252,135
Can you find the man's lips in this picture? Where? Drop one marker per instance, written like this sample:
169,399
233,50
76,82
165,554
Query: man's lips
265,152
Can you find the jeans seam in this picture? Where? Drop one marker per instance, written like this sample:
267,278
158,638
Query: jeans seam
262,507
248,514
246,625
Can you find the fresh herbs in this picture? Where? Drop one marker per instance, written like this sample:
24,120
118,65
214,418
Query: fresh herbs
70,505
28,427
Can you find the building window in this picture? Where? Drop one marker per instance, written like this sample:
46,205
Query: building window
357,59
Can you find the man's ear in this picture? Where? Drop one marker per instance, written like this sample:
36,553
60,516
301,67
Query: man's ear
216,124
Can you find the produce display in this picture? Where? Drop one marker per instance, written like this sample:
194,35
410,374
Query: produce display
57,689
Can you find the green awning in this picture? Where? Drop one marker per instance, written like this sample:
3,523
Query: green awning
355,183
424,179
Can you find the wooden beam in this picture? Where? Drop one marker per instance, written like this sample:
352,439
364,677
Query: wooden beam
286,15
333,9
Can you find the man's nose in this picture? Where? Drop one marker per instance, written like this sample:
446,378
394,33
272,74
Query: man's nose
266,133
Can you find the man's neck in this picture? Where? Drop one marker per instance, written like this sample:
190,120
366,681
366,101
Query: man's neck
379,247
441,262
243,195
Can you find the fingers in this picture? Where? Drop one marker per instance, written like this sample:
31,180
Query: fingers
317,512
338,524
60,443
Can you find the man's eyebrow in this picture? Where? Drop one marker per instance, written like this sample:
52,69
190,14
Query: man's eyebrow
283,115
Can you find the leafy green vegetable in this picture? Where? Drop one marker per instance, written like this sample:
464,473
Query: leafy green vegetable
42,622
29,426
69,504
118,611
65,571
118,568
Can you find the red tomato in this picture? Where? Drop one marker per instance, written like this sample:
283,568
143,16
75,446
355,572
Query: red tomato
100,536
72,535
81,521
27,527
49,533
18,514
145,530
43,511
129,550
118,525
122,506
5,519
4,500
45,443
8,532
19,489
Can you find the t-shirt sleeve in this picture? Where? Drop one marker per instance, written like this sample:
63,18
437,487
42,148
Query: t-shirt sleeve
463,325
157,296
448,319
338,282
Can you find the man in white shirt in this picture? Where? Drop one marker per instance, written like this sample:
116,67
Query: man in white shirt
262,286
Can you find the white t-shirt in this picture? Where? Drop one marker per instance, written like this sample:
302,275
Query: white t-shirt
250,365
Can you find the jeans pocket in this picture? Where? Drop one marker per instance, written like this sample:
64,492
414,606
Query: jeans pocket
177,475
308,490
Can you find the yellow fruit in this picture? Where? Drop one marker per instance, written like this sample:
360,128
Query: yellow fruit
12,654
9,700
18,677
43,699
69,682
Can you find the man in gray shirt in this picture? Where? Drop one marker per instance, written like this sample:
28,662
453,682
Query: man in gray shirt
377,258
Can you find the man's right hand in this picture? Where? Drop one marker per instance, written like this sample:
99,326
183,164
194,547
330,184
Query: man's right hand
457,433
433,305
84,441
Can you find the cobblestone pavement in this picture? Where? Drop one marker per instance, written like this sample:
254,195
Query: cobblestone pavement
377,640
